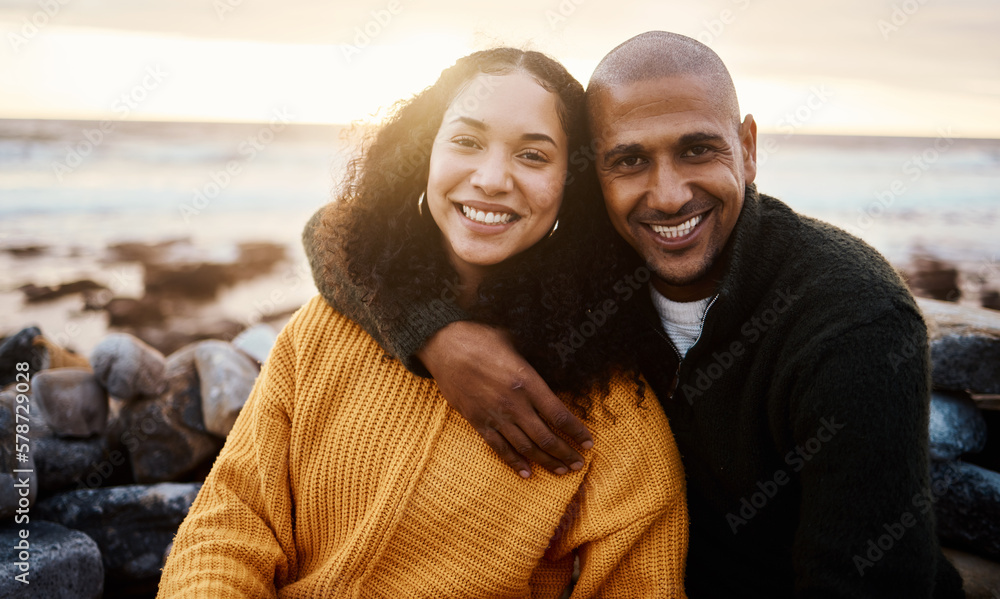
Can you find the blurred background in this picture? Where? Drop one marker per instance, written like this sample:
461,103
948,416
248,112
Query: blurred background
141,142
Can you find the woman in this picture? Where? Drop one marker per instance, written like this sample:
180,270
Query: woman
348,476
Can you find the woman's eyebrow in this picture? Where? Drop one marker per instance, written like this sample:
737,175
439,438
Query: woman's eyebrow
482,126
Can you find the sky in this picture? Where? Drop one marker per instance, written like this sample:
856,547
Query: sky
853,67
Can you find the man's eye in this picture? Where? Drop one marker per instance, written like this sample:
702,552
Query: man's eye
631,161
697,151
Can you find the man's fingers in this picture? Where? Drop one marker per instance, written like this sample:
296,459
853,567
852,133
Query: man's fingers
555,412
524,446
499,444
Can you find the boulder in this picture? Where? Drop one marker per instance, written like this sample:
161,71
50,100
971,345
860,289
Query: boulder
64,563
173,439
131,524
227,376
980,577
127,367
74,403
65,463
20,347
965,346
58,356
956,426
256,341
967,506
14,495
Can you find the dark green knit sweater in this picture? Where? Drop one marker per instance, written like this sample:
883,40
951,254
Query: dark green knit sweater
801,416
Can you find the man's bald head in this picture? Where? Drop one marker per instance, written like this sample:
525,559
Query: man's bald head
661,54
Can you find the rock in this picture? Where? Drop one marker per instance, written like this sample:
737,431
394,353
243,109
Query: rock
189,280
934,279
965,347
129,312
956,426
60,357
990,299
132,524
184,331
14,495
259,257
75,404
966,363
980,577
64,563
227,376
20,347
128,368
174,441
256,341
61,463
946,318
34,293
67,463
968,506
144,252
26,251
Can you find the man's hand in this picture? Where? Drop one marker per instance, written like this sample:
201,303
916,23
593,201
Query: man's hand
503,398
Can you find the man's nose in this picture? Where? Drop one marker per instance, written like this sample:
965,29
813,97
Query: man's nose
493,174
669,189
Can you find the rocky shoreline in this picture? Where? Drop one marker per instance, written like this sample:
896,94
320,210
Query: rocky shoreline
120,439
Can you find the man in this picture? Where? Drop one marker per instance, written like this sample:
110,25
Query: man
774,343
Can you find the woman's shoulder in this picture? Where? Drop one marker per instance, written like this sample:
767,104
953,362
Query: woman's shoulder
628,397
318,327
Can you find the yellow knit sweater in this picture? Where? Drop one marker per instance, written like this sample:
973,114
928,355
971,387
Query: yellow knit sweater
347,476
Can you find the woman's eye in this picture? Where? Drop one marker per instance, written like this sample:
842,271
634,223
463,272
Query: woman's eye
534,156
466,142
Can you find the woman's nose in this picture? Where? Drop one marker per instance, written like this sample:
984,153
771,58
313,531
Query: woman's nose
493,175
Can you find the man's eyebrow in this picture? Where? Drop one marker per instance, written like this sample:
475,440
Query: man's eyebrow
622,149
699,137
685,140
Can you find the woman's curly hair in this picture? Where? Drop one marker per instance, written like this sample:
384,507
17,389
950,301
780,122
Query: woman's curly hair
543,295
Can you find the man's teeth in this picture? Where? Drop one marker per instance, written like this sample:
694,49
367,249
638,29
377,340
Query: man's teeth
678,231
489,218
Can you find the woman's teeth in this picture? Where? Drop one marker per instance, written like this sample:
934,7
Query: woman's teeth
489,218
678,231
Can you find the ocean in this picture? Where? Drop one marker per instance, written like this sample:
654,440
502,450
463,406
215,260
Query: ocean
71,188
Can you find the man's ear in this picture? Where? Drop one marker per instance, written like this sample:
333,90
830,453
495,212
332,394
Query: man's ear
748,142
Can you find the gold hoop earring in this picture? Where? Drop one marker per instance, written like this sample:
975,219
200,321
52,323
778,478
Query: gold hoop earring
420,203
554,227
